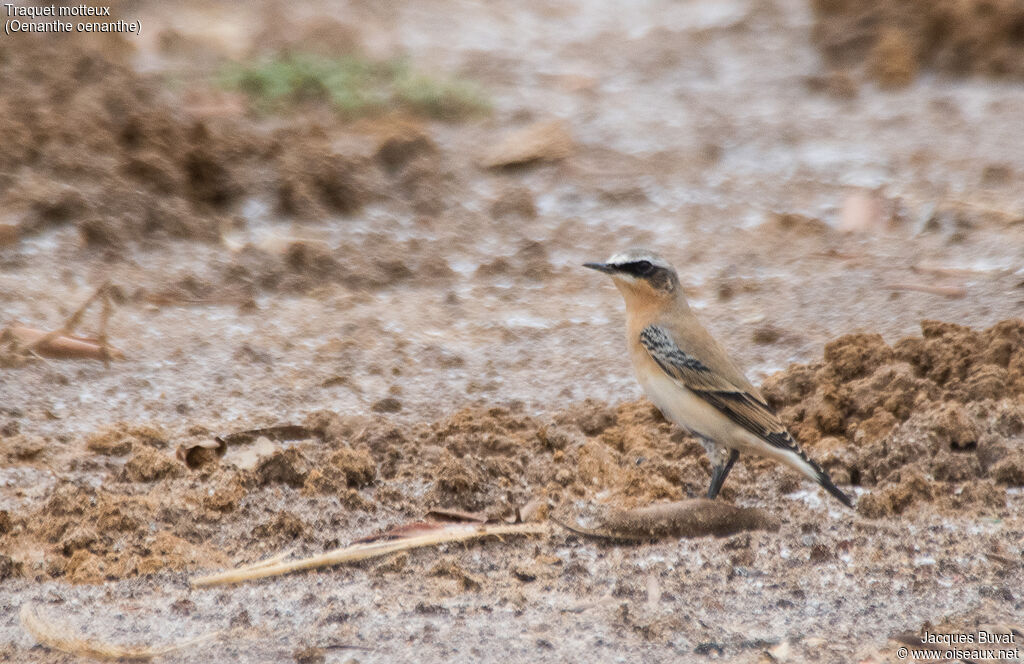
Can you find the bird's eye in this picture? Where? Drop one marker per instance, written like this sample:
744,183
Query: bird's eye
643,268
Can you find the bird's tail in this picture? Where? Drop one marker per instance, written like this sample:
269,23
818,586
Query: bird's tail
826,483
791,454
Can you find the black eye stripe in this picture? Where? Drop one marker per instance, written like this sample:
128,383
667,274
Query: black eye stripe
637,268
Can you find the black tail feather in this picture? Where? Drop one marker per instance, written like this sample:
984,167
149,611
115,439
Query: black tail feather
826,483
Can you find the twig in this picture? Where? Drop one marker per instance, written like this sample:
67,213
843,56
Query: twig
40,358
104,317
838,255
54,635
26,342
940,271
452,533
72,321
952,292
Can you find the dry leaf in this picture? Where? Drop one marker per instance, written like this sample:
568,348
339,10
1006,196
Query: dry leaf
195,454
688,518
247,458
199,453
862,213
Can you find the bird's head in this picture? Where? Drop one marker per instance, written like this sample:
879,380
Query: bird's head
640,275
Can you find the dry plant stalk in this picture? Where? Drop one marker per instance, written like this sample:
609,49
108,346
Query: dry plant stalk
941,271
55,635
953,292
62,343
63,347
460,532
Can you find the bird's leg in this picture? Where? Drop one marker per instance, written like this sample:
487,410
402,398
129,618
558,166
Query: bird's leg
720,471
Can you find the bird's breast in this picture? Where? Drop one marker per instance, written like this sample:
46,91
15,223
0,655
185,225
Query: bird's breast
681,405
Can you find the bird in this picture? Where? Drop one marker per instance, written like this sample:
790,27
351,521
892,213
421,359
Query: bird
690,377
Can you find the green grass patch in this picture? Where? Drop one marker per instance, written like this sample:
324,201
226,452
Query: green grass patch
354,86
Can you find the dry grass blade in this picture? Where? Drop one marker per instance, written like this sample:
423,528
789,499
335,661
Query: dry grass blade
456,516
953,292
941,271
450,533
55,635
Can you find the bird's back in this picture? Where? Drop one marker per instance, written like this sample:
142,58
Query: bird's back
693,339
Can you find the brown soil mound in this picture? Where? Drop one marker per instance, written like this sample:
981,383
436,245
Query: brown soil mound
125,163
896,39
90,142
94,535
372,263
116,160
936,418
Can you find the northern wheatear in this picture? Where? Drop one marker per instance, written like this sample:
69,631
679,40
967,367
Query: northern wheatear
690,378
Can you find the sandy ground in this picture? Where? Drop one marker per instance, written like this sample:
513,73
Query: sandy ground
429,320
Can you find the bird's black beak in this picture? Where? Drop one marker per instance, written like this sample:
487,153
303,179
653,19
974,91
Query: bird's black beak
600,267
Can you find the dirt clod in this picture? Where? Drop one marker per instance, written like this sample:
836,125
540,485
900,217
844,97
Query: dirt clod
119,439
310,655
149,465
317,186
287,466
920,407
898,38
514,202
541,141
349,468
386,405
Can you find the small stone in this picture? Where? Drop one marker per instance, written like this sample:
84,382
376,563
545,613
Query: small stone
387,405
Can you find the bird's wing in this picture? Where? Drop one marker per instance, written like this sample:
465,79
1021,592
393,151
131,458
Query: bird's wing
742,406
